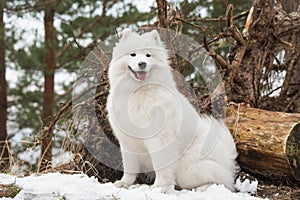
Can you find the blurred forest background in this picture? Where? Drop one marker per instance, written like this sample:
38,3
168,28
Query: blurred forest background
255,45
43,44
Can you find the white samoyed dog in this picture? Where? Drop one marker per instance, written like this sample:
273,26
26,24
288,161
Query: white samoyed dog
157,127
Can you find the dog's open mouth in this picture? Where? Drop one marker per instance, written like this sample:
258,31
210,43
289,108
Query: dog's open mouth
140,75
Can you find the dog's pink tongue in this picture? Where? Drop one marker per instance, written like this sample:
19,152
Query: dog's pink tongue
141,75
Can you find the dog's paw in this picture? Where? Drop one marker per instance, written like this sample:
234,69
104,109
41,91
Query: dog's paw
162,188
121,184
202,188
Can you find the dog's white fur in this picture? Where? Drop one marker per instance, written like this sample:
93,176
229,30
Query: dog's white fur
157,127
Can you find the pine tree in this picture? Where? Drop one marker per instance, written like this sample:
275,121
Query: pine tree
49,93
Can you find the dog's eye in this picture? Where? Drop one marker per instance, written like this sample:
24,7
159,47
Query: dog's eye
148,55
133,54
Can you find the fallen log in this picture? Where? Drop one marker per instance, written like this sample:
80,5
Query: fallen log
268,142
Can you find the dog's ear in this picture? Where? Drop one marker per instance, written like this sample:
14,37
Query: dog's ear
125,33
155,35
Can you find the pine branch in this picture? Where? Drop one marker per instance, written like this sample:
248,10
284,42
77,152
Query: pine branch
81,31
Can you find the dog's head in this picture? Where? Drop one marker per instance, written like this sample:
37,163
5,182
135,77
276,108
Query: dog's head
139,54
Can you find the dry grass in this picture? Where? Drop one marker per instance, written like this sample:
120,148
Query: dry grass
10,190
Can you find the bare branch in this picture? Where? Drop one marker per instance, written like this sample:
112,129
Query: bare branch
194,25
248,22
236,34
162,13
221,18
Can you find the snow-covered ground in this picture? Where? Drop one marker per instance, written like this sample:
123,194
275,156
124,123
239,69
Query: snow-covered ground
56,186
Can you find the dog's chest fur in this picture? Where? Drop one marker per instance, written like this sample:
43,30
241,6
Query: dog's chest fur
152,105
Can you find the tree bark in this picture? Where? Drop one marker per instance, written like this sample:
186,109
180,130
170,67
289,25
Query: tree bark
267,141
4,155
290,7
242,83
271,28
48,95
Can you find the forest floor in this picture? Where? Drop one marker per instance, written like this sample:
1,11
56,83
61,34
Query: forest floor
275,189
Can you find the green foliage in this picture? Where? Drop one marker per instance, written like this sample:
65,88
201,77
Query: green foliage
27,96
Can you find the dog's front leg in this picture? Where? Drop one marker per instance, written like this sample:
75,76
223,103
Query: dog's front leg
165,178
131,168
164,163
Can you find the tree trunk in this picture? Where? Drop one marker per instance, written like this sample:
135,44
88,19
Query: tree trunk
48,95
293,6
290,5
271,29
267,142
4,155
242,84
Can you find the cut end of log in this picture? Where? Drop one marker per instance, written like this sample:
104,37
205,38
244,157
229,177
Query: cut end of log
293,151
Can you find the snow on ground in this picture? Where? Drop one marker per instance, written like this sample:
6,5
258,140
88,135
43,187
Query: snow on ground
55,186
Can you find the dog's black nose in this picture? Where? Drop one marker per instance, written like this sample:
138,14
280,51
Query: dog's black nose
142,65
